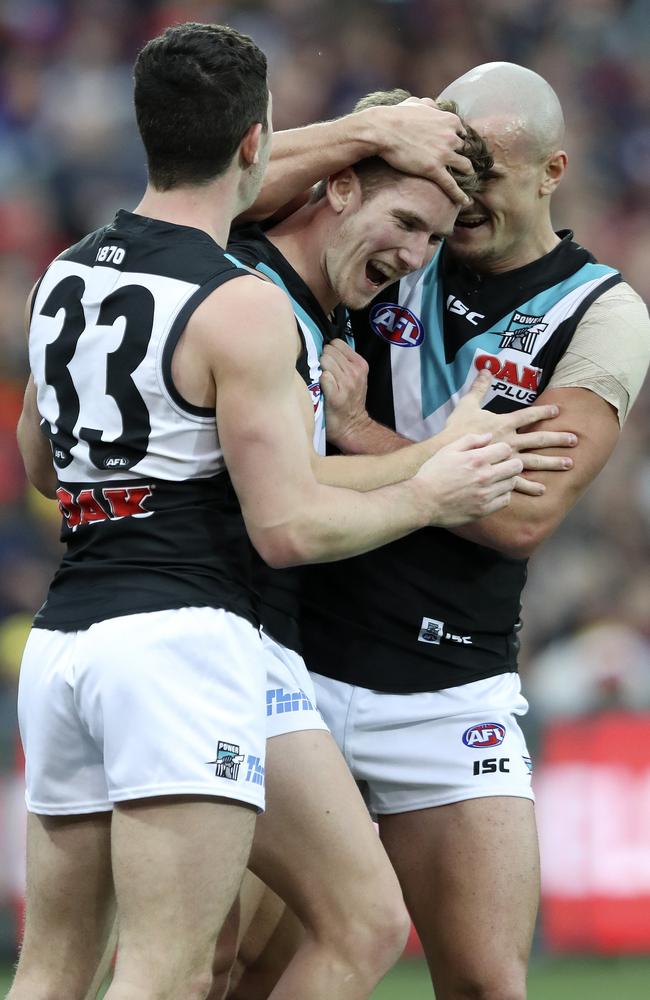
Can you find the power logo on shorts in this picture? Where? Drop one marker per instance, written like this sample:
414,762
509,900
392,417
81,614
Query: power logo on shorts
228,761
484,735
396,324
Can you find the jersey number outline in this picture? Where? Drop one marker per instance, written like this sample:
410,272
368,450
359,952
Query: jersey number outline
135,304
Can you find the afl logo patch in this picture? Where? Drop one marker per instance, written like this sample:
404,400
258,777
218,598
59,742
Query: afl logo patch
486,734
315,392
396,324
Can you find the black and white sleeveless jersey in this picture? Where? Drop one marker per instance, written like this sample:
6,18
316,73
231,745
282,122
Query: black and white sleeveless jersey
150,518
279,590
433,610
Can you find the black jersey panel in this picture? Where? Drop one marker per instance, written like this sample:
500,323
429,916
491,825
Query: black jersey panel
278,590
410,609
150,246
433,610
172,534
149,545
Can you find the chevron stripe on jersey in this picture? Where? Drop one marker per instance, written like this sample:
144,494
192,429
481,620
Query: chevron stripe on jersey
429,380
433,610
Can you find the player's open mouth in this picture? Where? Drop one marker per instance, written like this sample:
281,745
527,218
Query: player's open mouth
471,221
376,274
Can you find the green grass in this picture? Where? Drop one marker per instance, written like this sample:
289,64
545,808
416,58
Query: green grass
550,979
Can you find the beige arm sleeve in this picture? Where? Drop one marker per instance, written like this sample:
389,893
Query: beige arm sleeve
610,350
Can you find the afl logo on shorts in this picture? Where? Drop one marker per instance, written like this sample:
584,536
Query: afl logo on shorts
396,324
486,734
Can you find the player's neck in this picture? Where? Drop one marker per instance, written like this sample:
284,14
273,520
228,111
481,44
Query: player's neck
300,241
210,208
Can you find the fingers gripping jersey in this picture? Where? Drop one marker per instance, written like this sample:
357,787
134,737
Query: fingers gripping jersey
433,610
149,516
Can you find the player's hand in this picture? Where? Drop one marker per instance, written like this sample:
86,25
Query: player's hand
417,138
344,383
468,417
542,463
469,478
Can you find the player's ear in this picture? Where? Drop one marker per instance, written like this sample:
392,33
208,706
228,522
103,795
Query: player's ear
342,189
249,148
553,172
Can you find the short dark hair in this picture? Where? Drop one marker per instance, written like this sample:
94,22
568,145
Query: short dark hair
374,173
198,89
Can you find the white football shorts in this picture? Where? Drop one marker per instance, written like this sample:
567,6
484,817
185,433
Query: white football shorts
160,703
290,696
414,751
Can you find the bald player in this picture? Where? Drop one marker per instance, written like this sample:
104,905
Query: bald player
414,647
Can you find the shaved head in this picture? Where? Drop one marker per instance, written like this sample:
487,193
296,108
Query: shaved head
519,104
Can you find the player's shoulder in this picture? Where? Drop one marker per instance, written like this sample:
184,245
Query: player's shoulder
245,309
619,303
248,292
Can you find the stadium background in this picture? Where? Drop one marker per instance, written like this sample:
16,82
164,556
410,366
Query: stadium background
69,156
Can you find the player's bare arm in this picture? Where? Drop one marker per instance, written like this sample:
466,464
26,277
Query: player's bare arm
414,137
350,428
34,446
32,443
290,517
530,521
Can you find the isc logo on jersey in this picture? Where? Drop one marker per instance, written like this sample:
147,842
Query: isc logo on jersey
485,734
396,324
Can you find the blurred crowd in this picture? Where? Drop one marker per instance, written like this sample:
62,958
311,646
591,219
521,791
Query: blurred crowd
69,156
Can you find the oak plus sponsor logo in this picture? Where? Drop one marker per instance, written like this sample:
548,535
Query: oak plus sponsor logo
396,324
110,503
484,735
513,380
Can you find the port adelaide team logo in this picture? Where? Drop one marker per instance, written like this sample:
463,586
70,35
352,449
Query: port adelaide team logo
228,760
522,333
484,735
396,324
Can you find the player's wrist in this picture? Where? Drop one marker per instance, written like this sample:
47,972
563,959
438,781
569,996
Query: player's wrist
351,437
370,130
426,502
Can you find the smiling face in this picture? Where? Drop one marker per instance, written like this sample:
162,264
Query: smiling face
381,236
508,223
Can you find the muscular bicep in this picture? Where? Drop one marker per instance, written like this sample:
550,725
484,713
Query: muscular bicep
260,419
522,526
34,446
